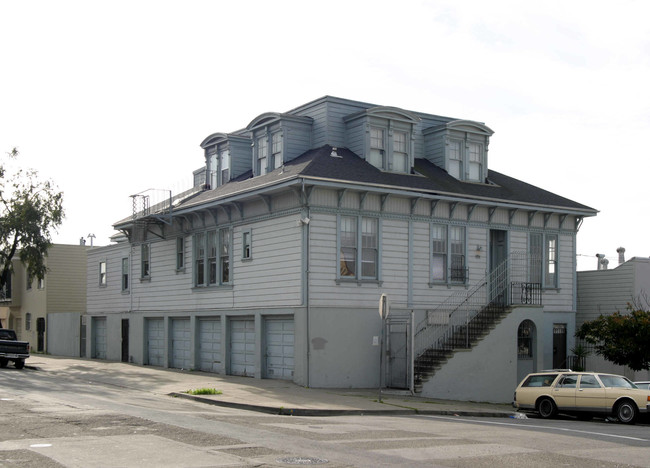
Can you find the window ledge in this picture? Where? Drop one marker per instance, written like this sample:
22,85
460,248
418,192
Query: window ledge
433,284
145,279
212,287
358,282
247,259
180,270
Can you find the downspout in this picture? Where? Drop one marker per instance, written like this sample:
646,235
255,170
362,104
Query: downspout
306,243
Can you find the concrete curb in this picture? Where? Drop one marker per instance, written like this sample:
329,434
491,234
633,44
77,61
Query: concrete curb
339,412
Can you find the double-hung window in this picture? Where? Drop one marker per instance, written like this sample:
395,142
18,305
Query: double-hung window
448,248
455,159
247,244
377,147
358,245
543,252
224,160
399,160
276,150
262,155
212,257
475,165
145,261
125,274
102,273
180,253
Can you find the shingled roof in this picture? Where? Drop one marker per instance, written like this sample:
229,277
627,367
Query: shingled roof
318,166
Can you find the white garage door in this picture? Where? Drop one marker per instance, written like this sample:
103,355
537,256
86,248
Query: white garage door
210,345
181,343
155,342
99,337
242,347
279,349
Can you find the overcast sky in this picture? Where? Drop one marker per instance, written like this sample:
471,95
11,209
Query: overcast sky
109,98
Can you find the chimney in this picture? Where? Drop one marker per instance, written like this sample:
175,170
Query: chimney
621,255
600,261
605,262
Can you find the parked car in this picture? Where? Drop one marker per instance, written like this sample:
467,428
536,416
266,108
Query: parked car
645,385
12,350
583,394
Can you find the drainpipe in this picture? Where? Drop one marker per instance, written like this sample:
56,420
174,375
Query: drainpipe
306,240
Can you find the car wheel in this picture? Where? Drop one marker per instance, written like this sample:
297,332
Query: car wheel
20,364
3,362
546,408
626,412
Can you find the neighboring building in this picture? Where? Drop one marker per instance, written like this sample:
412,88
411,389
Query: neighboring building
273,266
47,312
605,291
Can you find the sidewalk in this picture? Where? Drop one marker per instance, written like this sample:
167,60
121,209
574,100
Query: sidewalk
264,395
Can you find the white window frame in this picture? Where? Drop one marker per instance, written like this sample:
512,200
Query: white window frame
448,245
362,247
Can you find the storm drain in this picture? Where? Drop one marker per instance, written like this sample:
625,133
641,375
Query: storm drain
302,461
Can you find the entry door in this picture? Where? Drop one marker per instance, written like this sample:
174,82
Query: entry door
498,255
397,355
40,329
125,340
559,345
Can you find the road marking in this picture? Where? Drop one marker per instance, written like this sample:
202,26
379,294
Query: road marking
541,427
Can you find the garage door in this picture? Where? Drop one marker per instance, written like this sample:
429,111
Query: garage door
181,343
155,342
242,347
210,345
99,337
279,349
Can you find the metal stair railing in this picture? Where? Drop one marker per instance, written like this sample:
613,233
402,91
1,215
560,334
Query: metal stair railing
440,325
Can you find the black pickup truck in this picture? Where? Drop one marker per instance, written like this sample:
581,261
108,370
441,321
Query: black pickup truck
12,350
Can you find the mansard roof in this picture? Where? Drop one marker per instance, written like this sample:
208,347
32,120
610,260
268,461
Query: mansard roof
346,169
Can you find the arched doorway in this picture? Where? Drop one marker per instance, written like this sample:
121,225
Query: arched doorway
526,343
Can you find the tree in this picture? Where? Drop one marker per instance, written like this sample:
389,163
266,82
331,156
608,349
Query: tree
29,210
621,338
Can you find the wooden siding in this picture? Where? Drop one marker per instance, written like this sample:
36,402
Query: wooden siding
296,139
66,278
108,299
604,291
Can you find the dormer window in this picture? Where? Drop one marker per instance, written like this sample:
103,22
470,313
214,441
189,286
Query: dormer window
459,147
224,166
388,141
377,148
262,152
276,150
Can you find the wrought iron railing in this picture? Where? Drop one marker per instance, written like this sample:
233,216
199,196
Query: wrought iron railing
444,325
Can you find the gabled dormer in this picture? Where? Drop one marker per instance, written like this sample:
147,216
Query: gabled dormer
460,147
227,156
277,139
383,136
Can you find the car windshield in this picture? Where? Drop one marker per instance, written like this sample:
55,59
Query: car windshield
615,381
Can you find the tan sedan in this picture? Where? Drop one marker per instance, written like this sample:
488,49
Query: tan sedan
583,394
